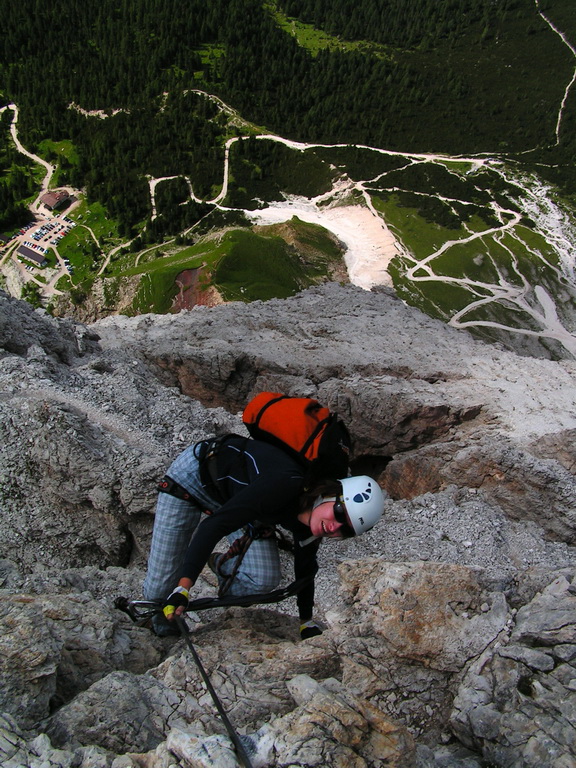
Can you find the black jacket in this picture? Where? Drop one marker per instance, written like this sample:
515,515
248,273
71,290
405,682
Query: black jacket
257,482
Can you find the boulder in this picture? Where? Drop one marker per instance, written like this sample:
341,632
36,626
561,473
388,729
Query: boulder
405,629
17,752
53,647
523,485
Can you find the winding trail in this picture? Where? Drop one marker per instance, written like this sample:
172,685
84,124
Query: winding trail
572,81
49,168
371,245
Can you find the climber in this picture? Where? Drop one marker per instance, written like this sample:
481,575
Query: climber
215,494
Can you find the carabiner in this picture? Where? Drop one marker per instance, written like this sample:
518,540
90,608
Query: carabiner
139,611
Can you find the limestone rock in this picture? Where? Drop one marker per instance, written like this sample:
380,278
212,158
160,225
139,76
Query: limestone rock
559,446
121,713
16,752
125,713
100,422
22,328
54,647
517,703
78,468
250,673
353,723
523,485
329,727
475,445
29,659
201,751
406,629
435,614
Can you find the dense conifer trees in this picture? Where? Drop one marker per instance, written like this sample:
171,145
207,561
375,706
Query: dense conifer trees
481,78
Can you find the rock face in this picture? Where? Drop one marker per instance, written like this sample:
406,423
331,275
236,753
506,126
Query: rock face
449,629
53,648
517,701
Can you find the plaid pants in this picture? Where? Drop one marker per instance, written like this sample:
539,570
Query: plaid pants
176,522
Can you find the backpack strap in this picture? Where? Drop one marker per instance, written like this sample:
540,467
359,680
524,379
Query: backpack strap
207,453
314,435
266,406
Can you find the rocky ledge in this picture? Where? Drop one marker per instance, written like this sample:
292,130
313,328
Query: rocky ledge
450,637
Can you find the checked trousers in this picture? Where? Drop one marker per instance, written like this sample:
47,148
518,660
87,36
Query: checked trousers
177,521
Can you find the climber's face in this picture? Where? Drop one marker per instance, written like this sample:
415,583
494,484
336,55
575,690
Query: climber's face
327,519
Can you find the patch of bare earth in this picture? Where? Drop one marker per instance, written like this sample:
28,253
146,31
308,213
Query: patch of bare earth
191,293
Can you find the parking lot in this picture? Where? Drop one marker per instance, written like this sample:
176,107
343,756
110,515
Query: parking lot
43,236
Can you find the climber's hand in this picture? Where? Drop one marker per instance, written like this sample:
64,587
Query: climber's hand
309,629
176,603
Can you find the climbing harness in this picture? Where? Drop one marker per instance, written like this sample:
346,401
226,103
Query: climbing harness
237,550
206,452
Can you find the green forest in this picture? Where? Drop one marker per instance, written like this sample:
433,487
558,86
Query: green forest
485,78
441,117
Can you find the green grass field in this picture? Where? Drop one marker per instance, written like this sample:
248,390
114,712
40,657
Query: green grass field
58,153
87,243
95,216
242,265
420,237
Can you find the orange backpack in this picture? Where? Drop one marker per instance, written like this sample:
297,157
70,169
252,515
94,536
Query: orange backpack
311,433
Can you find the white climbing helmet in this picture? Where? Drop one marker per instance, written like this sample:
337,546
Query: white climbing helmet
364,502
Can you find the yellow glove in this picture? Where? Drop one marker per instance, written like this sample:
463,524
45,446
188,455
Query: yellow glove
179,597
